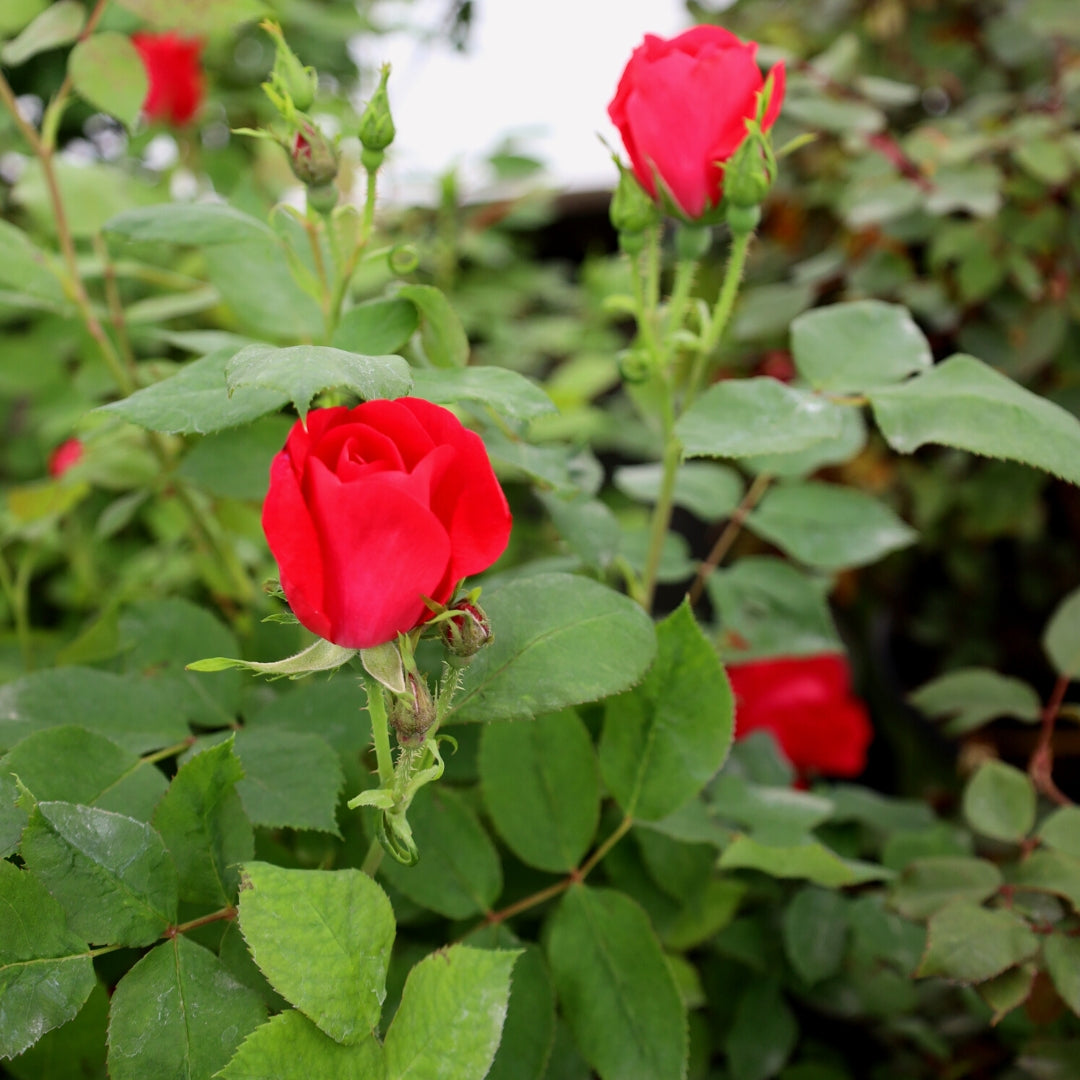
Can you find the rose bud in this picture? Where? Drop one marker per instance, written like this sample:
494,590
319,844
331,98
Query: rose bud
466,634
681,108
313,158
632,211
68,453
412,713
372,509
289,76
806,703
176,82
377,129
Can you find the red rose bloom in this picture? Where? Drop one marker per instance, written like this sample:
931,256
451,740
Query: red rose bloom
373,508
681,108
64,456
176,83
807,705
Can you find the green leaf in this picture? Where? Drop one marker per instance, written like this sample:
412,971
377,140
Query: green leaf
111,873
966,404
1062,956
45,970
506,392
815,933
108,72
291,1047
588,526
564,469
126,710
597,640
441,333
1061,830
615,989
927,885
1051,872
340,931
205,827
812,861
775,815
827,526
196,400
459,873
303,371
376,328
18,13
57,25
971,944
768,607
765,312
451,1015
322,655
763,1034
74,1051
740,418
541,787
846,445
974,696
80,766
202,17
12,816
234,464
708,490
1007,991
878,934
999,802
1061,639
178,1013
187,224
665,740
859,345
26,267
853,802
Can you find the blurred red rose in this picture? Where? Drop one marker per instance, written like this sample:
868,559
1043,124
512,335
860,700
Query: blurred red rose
681,108
807,705
373,508
64,456
176,81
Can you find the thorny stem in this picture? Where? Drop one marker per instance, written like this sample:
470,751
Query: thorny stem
665,502
367,223
685,272
1041,765
116,307
380,731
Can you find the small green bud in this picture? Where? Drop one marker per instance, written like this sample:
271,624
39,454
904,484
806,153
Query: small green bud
376,124
467,633
743,219
289,77
313,158
632,210
323,198
747,177
411,714
635,365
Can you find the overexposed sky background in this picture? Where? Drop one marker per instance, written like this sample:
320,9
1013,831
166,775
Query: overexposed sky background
543,73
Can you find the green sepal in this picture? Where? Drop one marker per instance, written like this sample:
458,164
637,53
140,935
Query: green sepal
321,656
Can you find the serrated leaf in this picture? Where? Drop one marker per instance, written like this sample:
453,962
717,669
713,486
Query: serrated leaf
858,345
322,655
815,933
971,944
812,861
45,969
541,787
340,931
617,993
12,816
204,825
1049,871
451,1015
108,72
57,25
974,696
178,1013
73,1051
1061,639
376,328
111,873
999,802
459,873
963,403
741,418
846,445
665,740
189,224
1007,991
828,526
443,337
587,526
203,17
1062,955
302,371
775,815
708,490
599,642
928,884
508,393
291,1047
763,1034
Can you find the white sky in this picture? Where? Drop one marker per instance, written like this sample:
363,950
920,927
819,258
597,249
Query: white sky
543,71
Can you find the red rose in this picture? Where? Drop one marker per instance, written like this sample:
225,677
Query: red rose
176,84
64,456
807,705
681,108
374,508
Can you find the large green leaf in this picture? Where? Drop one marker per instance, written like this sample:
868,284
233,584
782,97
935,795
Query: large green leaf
12,815
45,970
815,932
178,1013
773,815
1062,954
196,16
836,451
971,944
111,874
706,489
340,931
962,402
859,345
205,827
1061,830
974,696
235,464
811,860
451,1015
541,787
1053,872
24,266
1061,639
928,884
999,802
598,641
192,224
73,1051
763,1033
616,990
459,873
376,328
108,72
665,740
441,333
741,418
57,25
507,392
828,526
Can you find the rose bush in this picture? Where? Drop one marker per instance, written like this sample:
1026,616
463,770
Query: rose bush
372,509
681,108
175,74
806,703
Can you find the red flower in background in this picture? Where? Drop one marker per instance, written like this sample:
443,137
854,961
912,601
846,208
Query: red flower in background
176,80
681,108
64,456
373,508
807,705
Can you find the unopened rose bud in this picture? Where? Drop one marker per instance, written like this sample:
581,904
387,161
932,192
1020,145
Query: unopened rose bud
314,160
412,713
747,178
376,124
68,453
632,209
290,77
468,632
